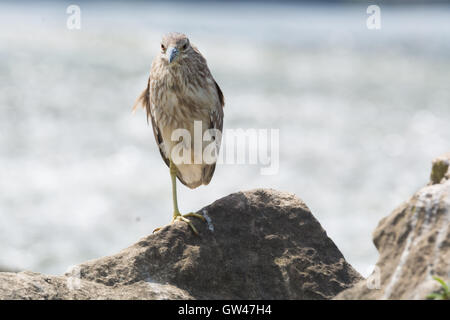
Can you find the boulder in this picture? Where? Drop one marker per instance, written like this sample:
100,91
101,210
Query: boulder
413,243
259,244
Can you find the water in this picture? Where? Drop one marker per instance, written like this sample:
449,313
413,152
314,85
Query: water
361,115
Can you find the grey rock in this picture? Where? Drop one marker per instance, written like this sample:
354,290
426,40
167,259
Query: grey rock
33,286
260,244
413,243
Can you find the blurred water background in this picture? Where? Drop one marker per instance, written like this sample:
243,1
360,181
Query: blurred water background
361,115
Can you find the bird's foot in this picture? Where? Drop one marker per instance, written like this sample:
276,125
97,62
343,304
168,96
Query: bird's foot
179,217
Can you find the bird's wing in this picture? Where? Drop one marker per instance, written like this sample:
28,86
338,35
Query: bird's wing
220,94
144,101
217,112
158,138
216,117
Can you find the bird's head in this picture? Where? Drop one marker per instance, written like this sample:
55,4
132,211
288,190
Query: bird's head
175,47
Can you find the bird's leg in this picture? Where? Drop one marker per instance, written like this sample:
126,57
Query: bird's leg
177,216
173,177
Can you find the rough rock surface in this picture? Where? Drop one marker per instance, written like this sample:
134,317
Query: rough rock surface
31,286
414,244
260,244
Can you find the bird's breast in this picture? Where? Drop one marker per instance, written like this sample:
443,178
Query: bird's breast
177,105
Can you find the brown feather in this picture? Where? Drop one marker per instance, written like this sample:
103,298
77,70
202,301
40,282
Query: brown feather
179,93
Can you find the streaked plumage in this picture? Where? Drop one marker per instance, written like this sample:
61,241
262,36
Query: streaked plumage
178,93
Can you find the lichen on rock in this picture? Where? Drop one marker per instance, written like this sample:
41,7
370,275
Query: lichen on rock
440,169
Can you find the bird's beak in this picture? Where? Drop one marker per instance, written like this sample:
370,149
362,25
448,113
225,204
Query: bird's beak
172,53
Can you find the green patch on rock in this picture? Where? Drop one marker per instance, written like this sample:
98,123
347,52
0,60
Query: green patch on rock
443,293
439,171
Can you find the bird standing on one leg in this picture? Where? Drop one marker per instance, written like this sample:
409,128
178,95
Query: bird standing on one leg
180,91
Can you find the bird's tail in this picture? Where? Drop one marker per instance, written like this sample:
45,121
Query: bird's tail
144,101
141,101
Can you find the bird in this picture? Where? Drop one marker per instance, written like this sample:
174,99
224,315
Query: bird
180,92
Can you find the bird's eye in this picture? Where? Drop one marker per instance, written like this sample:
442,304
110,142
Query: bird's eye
163,48
185,46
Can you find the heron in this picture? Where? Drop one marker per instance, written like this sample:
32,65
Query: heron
181,92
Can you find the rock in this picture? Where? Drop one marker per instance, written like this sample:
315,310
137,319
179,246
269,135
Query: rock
414,244
440,170
31,286
260,244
